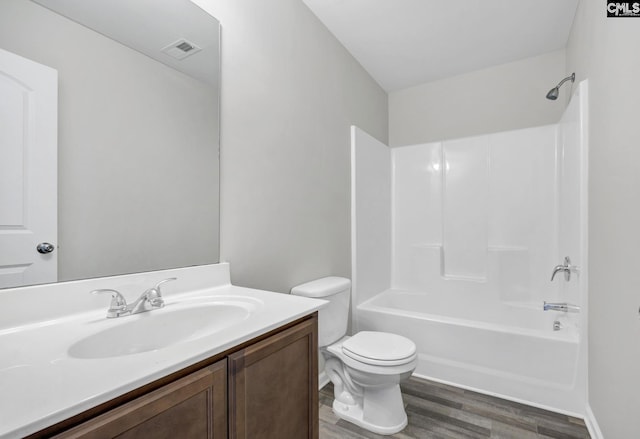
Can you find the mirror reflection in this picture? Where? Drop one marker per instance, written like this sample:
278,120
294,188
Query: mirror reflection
137,184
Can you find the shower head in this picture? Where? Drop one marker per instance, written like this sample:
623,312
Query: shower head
553,93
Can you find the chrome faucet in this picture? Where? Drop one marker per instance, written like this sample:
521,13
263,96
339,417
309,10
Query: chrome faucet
150,299
564,307
566,268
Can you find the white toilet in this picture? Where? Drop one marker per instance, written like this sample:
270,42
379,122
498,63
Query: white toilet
365,369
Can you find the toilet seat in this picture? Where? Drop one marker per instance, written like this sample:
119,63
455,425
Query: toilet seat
379,348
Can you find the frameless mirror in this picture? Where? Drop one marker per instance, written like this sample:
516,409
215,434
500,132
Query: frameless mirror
137,136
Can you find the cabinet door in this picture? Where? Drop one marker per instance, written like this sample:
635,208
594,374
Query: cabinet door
192,407
273,386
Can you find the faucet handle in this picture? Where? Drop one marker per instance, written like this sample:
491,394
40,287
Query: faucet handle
567,268
118,302
157,287
154,295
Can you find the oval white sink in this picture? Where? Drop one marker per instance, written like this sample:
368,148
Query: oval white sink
158,329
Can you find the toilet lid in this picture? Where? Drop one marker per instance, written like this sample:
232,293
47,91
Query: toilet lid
379,347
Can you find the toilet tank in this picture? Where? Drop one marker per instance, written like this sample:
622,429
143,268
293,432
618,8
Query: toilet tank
333,318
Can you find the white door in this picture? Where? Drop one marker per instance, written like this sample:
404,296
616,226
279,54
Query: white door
28,171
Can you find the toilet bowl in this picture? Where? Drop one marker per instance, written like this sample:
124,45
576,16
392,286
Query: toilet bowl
366,388
366,369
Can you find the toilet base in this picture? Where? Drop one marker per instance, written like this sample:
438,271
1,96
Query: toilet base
390,417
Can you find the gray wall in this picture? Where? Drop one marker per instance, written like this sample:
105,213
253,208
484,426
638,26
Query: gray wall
290,91
135,138
501,98
604,50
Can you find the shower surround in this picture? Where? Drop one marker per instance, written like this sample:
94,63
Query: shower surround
453,246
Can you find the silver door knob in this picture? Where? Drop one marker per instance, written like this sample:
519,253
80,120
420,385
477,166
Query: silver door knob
45,247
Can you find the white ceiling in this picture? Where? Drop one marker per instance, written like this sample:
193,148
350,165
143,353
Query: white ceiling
150,25
403,43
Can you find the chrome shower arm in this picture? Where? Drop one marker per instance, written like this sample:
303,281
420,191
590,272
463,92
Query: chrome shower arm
571,77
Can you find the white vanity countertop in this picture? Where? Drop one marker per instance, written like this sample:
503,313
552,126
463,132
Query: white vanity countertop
41,384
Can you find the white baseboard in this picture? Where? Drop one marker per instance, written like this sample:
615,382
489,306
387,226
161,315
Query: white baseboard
592,424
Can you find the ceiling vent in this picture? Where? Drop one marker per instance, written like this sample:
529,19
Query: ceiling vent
181,49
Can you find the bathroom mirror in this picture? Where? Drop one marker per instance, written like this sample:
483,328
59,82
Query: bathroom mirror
138,130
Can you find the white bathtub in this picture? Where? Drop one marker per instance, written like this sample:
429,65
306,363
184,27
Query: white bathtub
502,349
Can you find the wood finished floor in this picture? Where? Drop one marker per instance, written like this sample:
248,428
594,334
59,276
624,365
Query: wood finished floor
439,411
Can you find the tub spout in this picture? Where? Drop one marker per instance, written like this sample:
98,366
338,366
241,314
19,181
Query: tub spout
564,307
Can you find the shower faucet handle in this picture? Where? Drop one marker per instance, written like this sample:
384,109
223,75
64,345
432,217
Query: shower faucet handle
567,268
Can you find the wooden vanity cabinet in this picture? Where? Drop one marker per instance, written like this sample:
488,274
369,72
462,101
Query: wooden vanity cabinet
273,386
195,406
265,388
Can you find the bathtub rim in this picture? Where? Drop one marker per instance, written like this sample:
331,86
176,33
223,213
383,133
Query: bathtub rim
569,335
